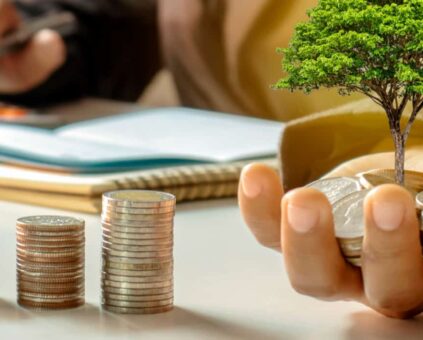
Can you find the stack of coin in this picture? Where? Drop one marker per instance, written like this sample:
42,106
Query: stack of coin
50,262
137,251
349,225
347,194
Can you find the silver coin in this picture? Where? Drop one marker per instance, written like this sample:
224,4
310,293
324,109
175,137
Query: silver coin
136,266
50,221
27,259
41,234
137,304
167,241
139,199
51,279
131,260
53,283
138,224
41,274
138,211
50,305
133,279
25,239
48,300
138,236
138,255
349,215
337,187
28,295
139,298
138,217
137,273
24,245
66,230
128,222
369,181
139,230
128,285
50,250
355,261
124,310
50,253
413,180
120,247
351,249
136,292
45,290
50,266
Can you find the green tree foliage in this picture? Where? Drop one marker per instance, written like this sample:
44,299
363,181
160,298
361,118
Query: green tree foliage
374,47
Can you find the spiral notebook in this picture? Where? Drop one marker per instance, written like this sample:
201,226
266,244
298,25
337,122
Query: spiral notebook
83,192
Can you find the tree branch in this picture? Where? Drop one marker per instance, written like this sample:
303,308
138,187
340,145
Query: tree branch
419,107
416,109
403,105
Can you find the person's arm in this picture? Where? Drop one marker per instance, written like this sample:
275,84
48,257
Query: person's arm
113,54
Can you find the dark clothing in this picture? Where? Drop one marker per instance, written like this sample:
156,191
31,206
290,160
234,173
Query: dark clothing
113,54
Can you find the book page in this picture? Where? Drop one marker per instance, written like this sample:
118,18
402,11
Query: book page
183,133
19,144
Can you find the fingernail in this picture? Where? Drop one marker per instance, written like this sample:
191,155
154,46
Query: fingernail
302,219
388,215
251,188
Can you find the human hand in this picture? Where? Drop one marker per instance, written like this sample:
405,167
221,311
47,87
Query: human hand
300,222
31,66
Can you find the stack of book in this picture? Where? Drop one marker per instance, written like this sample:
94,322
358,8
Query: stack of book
193,154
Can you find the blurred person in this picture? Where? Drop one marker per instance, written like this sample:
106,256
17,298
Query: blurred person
114,52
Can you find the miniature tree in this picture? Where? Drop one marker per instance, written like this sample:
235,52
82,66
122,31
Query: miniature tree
374,47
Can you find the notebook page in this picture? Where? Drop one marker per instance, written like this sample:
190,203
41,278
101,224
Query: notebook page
36,145
184,133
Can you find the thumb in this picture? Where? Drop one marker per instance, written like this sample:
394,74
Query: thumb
259,195
44,54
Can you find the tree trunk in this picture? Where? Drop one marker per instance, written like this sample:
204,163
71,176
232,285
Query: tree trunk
399,141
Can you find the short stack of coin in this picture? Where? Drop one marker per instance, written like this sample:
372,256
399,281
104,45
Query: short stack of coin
137,251
50,262
347,194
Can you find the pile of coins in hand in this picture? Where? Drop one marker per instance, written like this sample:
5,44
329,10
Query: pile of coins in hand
50,262
347,194
137,251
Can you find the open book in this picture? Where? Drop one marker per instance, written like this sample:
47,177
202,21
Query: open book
146,139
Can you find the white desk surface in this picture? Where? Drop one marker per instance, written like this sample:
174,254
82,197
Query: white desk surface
226,287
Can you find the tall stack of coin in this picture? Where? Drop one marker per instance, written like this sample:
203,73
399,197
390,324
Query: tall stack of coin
137,251
50,262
